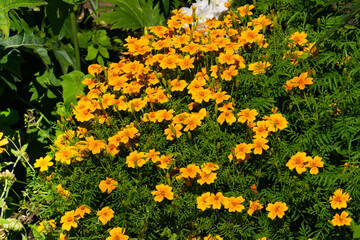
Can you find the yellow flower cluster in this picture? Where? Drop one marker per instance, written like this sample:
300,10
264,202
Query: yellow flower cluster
339,200
300,48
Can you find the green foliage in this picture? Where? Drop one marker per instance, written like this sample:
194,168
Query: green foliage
132,15
7,5
72,87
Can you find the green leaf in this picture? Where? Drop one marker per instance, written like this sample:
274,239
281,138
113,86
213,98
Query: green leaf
65,54
44,85
72,86
104,52
7,5
356,230
57,12
92,53
132,15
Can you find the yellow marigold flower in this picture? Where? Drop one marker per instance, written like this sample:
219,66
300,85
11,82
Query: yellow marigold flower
276,210
233,204
259,144
261,129
207,178
259,67
108,185
152,155
186,62
314,164
165,161
190,171
43,163
46,225
63,237
117,234
62,191
263,238
191,122
210,237
219,96
172,130
227,116
339,199
178,85
3,142
342,219
298,161
298,38
95,69
163,191
229,73
246,10
216,200
68,221
247,115
136,159
254,206
105,215
209,167
250,36
227,57
301,81
276,121
202,202
242,149
80,211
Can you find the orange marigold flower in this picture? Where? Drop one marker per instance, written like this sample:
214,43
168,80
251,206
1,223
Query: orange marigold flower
43,163
229,73
105,215
259,144
261,129
80,211
254,206
207,178
227,57
298,161
342,219
233,204
314,164
68,221
163,191
242,149
259,67
136,159
227,116
108,185
246,10
62,191
209,167
202,202
276,121
216,200
178,85
165,161
186,62
301,81
117,234
63,237
45,225
219,96
298,38
201,95
339,199
210,237
95,69
173,131
152,155
247,115
276,210
190,171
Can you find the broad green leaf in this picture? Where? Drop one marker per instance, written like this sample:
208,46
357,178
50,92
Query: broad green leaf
356,230
57,12
72,87
92,53
12,61
132,15
102,39
7,5
44,85
103,51
65,54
